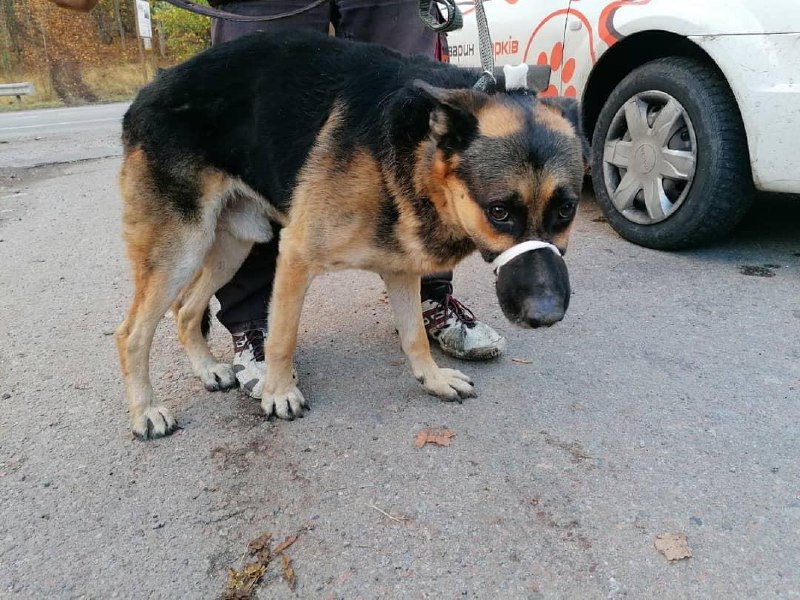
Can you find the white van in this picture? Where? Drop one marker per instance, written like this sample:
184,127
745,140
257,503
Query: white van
689,105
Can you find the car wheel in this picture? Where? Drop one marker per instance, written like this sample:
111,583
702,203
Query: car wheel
670,162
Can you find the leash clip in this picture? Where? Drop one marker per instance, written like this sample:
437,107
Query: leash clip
486,82
521,248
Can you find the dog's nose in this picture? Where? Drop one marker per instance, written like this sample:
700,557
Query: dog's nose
543,311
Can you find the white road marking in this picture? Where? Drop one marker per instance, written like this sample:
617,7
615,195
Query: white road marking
60,123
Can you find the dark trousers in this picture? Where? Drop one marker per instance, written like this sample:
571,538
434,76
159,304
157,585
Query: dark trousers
395,23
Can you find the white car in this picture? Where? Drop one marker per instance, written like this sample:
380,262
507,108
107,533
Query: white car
689,105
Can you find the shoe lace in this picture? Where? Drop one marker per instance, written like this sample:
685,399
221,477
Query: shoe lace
456,308
255,339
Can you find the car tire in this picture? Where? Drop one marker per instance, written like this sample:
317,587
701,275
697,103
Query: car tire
692,170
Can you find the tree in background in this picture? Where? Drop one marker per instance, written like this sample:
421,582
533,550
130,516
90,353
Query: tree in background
185,33
62,50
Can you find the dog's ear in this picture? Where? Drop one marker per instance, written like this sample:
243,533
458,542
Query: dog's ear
452,119
570,109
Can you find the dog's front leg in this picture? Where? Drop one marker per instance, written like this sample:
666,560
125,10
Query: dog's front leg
280,394
448,384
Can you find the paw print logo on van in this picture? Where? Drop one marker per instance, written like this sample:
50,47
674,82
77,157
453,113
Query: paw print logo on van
560,68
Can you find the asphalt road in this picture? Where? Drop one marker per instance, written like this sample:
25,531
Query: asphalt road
59,135
666,402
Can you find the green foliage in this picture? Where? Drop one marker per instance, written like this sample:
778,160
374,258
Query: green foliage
185,33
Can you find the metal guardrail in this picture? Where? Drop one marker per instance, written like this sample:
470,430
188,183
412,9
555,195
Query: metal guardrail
17,89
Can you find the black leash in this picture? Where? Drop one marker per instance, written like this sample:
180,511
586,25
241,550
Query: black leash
229,16
487,80
453,21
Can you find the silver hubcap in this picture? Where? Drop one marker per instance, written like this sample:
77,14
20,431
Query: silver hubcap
649,157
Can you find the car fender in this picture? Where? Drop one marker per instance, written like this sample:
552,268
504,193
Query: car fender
594,27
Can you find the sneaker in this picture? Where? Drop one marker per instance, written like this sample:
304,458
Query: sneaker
248,359
458,332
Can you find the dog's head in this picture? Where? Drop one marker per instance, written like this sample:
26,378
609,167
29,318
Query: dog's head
509,168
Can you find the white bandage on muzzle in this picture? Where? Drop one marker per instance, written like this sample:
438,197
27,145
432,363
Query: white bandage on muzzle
521,248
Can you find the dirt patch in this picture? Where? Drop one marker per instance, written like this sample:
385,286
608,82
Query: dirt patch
575,449
758,270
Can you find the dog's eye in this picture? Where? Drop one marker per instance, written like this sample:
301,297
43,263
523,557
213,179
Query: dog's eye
567,210
498,212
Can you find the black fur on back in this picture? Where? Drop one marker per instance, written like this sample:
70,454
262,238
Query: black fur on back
253,108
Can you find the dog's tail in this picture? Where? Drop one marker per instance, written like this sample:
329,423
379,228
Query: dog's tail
205,324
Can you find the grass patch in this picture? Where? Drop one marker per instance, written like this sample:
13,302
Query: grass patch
110,83
116,83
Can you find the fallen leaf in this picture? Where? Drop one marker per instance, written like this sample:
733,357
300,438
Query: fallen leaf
522,361
288,571
260,544
242,583
673,546
284,544
431,435
255,571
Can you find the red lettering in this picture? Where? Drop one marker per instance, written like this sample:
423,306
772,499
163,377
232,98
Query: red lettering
505,48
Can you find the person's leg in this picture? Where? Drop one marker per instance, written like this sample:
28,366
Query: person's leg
396,24
245,298
436,286
225,31
392,23
243,311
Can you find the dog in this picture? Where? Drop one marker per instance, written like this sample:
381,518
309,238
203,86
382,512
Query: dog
356,157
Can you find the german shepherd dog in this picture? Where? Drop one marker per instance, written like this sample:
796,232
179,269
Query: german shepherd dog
357,157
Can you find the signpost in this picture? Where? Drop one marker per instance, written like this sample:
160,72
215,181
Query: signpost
143,22
144,31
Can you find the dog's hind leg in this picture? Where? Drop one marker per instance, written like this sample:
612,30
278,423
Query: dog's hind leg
158,279
449,384
220,264
166,249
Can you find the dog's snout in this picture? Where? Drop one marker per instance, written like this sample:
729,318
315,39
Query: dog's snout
543,311
533,289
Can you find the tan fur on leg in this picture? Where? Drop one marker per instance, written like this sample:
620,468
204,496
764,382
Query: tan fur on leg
221,263
404,294
134,339
165,254
280,393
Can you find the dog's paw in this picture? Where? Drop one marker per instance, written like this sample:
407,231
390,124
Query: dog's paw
449,384
255,388
286,405
217,376
153,422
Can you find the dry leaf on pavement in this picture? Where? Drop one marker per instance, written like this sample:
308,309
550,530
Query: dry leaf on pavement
241,584
288,571
285,544
259,547
673,545
431,435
